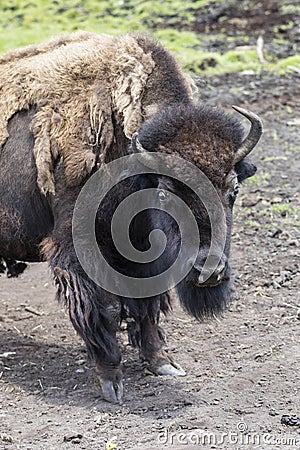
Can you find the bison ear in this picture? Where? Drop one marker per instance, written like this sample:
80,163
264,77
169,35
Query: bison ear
244,169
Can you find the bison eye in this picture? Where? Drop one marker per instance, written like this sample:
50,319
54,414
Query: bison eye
236,190
233,194
163,195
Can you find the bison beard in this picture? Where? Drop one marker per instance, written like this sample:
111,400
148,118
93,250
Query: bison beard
204,302
58,128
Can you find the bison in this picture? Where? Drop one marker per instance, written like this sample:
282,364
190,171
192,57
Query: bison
71,107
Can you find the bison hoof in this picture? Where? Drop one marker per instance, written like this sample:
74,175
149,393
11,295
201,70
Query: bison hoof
170,369
112,392
166,366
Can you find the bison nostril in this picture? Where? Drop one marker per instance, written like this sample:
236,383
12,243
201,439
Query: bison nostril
220,276
211,277
220,269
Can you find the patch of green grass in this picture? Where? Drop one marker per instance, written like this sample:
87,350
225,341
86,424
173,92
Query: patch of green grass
252,224
235,61
273,215
24,23
27,22
259,179
285,210
283,27
275,158
180,41
290,8
284,213
285,64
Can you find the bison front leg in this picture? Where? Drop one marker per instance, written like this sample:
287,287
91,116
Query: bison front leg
153,353
94,313
144,331
95,316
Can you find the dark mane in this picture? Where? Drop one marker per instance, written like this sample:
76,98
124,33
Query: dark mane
167,76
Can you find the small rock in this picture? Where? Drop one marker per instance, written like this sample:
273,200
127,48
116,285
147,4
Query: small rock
290,420
250,200
6,437
275,200
276,233
294,122
248,72
7,354
80,362
276,285
293,243
74,439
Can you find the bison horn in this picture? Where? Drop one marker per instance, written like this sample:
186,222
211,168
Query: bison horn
147,159
253,136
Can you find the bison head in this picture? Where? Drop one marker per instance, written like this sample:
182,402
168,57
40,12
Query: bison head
213,142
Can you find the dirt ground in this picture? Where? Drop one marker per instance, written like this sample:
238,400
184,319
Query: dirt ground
242,369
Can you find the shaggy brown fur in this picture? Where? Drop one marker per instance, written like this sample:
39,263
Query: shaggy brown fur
7,220
77,83
206,137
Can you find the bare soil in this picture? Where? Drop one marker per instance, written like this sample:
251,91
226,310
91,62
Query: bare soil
242,369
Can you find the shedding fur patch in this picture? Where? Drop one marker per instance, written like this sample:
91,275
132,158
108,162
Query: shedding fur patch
48,248
77,83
